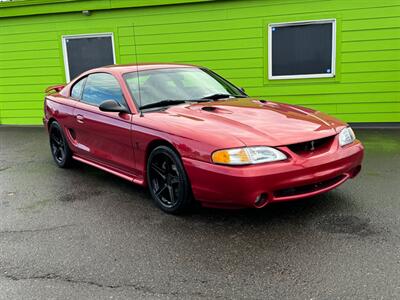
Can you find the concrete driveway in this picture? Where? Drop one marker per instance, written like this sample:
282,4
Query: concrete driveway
82,233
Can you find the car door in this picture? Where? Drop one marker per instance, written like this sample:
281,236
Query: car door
103,137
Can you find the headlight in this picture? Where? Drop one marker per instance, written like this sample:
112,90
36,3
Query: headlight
346,136
247,155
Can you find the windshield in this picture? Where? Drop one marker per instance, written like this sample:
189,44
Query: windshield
177,84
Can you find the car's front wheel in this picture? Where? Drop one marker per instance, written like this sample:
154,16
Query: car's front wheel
168,183
60,151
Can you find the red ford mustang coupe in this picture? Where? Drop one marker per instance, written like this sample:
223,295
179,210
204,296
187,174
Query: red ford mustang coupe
190,135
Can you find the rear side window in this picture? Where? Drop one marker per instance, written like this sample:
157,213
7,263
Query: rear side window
76,91
100,87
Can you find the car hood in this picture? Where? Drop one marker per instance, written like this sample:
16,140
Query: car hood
252,121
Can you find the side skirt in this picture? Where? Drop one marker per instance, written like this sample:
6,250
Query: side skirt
130,178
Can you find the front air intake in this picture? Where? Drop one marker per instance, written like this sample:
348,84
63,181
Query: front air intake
312,146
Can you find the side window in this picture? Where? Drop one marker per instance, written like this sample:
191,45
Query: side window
76,91
100,87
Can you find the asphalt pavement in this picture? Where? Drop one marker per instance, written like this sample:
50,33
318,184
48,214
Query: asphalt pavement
82,233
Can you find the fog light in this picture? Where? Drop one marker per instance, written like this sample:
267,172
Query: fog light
261,200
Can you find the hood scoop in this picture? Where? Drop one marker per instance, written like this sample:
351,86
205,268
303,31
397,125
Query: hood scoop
209,108
216,109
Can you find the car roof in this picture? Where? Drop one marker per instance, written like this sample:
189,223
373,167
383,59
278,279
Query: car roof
126,68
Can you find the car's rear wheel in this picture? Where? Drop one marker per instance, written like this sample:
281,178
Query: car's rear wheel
60,151
168,183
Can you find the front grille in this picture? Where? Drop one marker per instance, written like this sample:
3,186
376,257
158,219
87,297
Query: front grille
308,188
312,146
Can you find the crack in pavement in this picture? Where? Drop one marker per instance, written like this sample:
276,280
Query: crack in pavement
36,230
53,276
137,287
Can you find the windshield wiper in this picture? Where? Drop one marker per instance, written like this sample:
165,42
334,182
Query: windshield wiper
162,103
221,96
168,102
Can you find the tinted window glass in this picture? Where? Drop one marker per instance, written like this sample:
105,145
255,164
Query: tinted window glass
177,84
100,87
76,91
85,53
302,49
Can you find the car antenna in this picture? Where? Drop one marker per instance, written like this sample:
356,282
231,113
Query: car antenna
137,73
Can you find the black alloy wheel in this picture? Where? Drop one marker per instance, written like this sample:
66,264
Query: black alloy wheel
59,147
167,180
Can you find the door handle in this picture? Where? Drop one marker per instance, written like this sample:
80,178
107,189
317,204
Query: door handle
80,119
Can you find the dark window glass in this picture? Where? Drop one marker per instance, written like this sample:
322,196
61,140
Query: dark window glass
302,49
100,87
87,53
76,91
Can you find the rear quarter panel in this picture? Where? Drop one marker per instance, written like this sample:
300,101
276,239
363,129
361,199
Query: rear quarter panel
60,109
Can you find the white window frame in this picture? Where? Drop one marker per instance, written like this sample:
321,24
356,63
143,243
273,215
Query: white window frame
82,36
310,22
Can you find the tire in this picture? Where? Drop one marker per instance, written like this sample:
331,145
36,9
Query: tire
168,182
59,148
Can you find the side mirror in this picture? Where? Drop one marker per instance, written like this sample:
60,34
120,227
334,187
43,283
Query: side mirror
112,106
242,90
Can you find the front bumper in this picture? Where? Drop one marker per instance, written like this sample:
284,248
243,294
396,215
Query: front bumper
299,177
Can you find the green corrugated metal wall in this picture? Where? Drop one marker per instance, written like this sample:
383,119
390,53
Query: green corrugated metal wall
228,36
